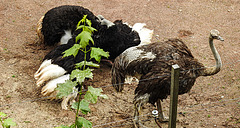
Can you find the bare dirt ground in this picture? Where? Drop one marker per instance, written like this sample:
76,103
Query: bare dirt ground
213,101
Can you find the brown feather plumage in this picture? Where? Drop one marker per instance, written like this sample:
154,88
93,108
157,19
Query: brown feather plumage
167,53
152,63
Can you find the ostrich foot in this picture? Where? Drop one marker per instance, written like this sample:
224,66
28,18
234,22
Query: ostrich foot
69,99
161,116
138,124
163,119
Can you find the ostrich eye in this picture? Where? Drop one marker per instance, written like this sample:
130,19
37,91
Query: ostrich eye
218,38
215,36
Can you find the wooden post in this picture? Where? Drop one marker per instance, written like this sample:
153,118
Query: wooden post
174,96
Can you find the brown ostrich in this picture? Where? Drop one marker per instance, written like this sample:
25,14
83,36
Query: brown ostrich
151,65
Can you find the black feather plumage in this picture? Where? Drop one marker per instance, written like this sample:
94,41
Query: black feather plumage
62,18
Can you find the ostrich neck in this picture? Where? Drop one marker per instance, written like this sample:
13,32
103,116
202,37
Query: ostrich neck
213,70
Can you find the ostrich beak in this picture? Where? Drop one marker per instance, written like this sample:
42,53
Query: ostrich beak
220,38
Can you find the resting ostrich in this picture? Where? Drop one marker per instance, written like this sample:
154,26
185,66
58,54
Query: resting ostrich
151,64
59,23
116,39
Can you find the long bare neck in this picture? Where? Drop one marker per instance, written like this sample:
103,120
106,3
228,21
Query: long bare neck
213,70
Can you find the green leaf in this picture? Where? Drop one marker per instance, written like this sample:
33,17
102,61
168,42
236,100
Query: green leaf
80,27
9,122
103,96
87,28
72,126
74,105
97,53
3,114
84,106
85,36
93,93
27,121
72,51
90,97
82,20
89,22
82,122
62,126
91,29
80,75
64,89
91,64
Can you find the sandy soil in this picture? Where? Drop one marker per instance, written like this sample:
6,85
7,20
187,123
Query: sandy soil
213,101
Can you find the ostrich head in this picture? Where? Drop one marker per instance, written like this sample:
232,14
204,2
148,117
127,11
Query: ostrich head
215,34
100,18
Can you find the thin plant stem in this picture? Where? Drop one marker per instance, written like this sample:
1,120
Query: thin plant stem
80,92
1,122
85,58
78,106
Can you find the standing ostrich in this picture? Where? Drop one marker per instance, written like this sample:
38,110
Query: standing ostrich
151,64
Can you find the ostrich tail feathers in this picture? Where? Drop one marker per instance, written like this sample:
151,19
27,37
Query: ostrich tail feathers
39,29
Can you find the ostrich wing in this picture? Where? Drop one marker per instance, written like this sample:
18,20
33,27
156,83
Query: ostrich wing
152,86
180,46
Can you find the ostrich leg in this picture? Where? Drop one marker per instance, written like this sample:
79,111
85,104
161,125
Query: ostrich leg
136,117
136,120
160,112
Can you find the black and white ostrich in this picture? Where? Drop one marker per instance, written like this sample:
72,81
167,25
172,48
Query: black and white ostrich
59,24
116,39
151,64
